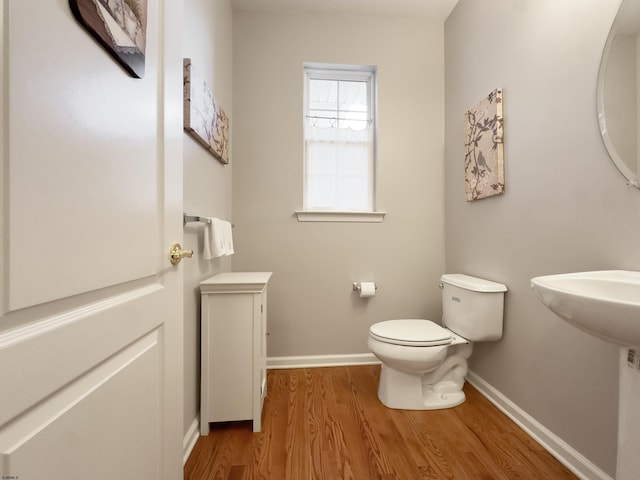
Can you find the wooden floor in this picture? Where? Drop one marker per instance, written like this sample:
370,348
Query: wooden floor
327,423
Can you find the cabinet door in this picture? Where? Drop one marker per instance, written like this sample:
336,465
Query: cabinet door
231,357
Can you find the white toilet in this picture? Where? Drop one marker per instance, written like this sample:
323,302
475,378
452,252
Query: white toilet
424,364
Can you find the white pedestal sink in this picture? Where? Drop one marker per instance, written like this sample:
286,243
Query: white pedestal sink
606,304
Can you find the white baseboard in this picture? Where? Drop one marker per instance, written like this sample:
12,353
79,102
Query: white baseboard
568,456
310,361
190,439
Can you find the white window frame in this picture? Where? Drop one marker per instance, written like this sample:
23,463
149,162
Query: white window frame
343,72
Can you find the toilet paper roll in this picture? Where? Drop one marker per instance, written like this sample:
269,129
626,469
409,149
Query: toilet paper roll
367,289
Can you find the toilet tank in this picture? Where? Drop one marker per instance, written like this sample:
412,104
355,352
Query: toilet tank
472,307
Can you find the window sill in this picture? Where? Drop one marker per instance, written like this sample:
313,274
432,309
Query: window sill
338,216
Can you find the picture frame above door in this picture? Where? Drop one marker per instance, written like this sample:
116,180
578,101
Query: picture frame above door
119,26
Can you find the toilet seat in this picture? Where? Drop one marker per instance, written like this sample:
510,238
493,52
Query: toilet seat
411,332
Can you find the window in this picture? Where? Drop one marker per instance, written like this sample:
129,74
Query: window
339,138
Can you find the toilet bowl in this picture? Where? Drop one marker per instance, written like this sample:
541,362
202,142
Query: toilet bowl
423,363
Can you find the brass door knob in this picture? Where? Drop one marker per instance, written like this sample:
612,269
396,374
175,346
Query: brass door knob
176,253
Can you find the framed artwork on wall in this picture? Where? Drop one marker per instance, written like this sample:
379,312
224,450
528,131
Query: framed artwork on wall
204,118
483,148
120,26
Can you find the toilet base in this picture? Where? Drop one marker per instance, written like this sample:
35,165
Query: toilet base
405,391
436,398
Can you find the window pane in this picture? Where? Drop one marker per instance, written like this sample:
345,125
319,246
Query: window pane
338,104
321,159
339,133
355,160
353,193
321,191
323,94
338,175
323,103
354,120
353,96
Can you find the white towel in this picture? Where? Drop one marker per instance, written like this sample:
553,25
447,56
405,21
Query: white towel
228,238
207,250
218,245
218,239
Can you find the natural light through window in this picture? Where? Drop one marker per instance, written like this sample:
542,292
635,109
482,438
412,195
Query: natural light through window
339,138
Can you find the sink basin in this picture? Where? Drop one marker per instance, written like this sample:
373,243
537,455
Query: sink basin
604,303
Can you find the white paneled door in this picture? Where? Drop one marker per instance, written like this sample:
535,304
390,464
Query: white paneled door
91,200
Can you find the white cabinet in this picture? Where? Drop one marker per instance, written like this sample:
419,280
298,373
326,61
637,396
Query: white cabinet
234,348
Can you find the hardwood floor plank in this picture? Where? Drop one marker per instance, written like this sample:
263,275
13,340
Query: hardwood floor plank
378,427
201,463
356,452
335,460
328,423
426,449
269,455
237,472
516,453
321,426
221,463
297,441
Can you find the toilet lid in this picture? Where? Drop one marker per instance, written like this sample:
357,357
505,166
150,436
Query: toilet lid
412,332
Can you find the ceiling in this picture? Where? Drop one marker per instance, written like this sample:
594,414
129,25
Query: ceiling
409,9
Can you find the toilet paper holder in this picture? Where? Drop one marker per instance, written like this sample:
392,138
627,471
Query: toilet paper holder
357,287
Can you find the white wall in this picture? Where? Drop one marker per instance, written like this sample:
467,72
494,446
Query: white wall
312,308
566,207
207,182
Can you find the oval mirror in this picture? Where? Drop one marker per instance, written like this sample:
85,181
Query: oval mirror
619,91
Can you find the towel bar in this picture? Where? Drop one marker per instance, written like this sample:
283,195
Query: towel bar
193,218
196,218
